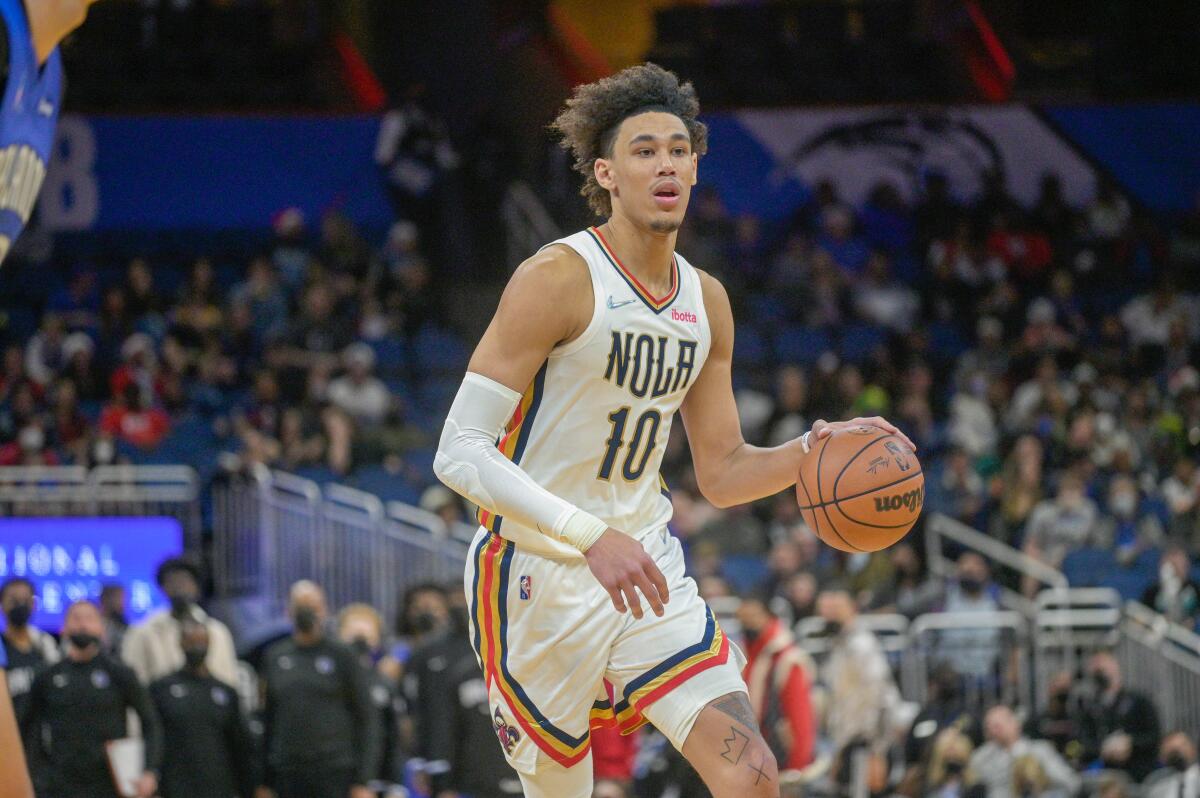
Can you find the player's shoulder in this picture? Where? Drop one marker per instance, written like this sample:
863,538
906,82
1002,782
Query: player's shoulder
716,298
556,266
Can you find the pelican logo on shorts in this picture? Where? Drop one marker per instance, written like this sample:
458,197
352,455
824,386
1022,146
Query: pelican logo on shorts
509,736
909,500
526,588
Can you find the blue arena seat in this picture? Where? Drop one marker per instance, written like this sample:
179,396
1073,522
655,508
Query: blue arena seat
859,341
801,344
750,347
1089,567
440,351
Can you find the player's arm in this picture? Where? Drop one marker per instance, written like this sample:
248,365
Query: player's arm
730,471
548,301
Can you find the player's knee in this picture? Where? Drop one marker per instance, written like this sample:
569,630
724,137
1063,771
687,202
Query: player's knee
762,778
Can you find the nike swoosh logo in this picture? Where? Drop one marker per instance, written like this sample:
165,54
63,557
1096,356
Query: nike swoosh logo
614,305
45,108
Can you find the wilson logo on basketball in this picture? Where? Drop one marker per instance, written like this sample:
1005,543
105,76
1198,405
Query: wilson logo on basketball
911,500
684,315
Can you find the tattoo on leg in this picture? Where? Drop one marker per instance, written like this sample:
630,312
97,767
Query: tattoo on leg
735,745
759,773
737,706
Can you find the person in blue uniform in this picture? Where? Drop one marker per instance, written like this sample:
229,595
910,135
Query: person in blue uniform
31,79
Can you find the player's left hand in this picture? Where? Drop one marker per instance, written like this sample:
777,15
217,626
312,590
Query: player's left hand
823,429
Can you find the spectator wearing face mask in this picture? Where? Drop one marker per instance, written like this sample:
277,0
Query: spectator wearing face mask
779,675
360,627
1180,775
1175,594
207,751
30,650
455,727
973,652
423,615
1125,530
947,775
862,694
78,705
152,647
1119,727
320,732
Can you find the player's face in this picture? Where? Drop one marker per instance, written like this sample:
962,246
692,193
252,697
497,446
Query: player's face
652,170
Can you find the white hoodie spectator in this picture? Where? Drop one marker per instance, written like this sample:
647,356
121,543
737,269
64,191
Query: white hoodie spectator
360,394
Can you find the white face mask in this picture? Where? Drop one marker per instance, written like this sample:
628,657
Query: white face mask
1123,505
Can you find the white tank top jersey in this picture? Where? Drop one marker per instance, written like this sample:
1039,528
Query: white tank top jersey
593,425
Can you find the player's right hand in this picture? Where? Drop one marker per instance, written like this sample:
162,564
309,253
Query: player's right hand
623,567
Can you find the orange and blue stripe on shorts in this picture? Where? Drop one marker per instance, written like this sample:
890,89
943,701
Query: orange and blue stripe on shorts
516,436
489,605
640,693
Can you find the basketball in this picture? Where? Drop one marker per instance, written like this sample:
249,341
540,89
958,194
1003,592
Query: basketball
860,489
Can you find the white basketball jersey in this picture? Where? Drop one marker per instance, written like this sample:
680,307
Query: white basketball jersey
593,425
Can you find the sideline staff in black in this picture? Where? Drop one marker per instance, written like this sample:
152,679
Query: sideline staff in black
321,733
207,750
79,704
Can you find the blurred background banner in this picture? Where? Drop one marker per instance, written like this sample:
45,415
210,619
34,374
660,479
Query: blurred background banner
161,173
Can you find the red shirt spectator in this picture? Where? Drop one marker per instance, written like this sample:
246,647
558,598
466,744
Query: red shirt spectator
128,419
778,675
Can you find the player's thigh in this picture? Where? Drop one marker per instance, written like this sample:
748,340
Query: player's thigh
667,669
727,750
552,780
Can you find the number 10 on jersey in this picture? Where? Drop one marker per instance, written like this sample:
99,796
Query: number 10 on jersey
641,444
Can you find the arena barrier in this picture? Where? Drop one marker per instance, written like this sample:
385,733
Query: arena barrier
946,538
1068,627
891,630
72,491
989,650
272,528
1161,660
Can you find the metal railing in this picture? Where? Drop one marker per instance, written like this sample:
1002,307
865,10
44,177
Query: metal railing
527,223
987,649
1068,627
65,491
271,528
940,529
1161,660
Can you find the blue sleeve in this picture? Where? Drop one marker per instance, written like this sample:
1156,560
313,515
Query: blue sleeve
3,656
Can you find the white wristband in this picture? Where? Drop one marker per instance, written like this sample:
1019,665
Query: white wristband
804,441
582,529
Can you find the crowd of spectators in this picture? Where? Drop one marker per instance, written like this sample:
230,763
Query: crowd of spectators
342,703
1042,358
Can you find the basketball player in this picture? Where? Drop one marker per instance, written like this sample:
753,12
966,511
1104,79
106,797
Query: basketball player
31,74
557,434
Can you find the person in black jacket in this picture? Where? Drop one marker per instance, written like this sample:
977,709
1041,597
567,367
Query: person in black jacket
455,731
79,704
1118,726
321,735
360,627
208,751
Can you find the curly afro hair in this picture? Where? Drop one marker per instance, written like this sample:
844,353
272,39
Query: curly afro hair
589,123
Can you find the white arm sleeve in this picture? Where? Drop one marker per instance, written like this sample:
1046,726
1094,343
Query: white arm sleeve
470,464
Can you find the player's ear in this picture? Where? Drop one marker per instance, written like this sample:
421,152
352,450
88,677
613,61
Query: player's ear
695,168
602,169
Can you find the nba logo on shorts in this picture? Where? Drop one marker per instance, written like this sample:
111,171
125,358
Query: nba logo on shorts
526,587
